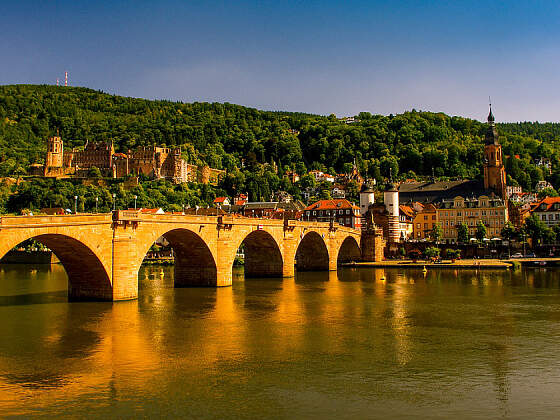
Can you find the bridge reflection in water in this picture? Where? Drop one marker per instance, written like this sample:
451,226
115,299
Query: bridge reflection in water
383,342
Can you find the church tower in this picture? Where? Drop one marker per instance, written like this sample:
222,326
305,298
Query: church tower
494,171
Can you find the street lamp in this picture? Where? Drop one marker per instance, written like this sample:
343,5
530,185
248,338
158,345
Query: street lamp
114,202
135,197
96,201
75,204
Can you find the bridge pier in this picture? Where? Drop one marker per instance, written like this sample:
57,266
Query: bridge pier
125,273
372,244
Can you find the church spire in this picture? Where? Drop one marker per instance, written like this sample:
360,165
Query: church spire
491,136
490,115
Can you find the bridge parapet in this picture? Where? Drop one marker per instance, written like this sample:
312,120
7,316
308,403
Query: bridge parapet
54,220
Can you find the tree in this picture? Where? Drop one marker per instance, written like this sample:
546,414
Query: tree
436,233
463,233
508,233
432,252
94,172
453,254
481,230
547,192
538,231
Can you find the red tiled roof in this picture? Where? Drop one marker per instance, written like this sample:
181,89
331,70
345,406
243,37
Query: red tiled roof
220,199
150,211
549,201
407,210
341,203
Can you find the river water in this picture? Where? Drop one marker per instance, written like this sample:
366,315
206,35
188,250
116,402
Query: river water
360,343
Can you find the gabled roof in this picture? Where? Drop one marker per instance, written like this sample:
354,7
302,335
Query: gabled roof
152,211
260,205
407,210
220,199
547,201
335,204
429,192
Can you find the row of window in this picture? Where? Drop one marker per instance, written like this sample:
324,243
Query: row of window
328,212
555,216
470,223
472,232
474,213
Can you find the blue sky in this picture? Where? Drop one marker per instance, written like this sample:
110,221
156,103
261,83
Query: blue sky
322,57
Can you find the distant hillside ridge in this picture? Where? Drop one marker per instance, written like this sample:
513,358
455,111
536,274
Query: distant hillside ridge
414,144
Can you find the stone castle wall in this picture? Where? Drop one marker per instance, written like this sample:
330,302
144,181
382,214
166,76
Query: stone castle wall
152,161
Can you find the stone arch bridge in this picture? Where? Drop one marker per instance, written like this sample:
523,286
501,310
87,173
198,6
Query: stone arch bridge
102,253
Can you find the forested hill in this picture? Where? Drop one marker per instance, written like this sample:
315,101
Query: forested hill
413,144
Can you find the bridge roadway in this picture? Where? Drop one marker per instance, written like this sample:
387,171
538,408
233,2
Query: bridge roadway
102,253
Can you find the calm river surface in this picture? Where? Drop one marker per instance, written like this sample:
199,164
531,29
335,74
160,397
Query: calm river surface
451,344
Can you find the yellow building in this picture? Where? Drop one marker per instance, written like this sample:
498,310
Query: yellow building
491,210
424,221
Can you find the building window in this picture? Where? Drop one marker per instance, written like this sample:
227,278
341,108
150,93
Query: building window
347,211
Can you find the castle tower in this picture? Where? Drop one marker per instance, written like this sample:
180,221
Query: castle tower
55,152
391,199
494,171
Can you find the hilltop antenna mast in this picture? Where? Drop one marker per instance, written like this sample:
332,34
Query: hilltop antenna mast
65,78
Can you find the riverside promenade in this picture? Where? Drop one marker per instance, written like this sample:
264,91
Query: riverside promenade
461,264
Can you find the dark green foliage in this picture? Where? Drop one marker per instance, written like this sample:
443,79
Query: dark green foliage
248,143
538,231
37,193
463,233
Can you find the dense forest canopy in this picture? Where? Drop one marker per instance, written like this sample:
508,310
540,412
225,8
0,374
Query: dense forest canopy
247,142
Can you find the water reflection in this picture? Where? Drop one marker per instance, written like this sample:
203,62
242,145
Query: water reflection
347,343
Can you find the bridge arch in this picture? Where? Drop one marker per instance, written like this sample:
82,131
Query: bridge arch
88,278
194,264
262,255
312,253
349,250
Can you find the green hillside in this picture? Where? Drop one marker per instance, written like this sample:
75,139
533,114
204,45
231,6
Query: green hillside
240,139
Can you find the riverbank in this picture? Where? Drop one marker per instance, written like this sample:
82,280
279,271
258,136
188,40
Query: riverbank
29,257
458,264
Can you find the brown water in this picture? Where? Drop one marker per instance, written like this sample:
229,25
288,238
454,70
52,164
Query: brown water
451,344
